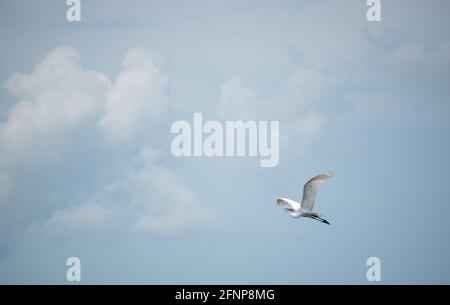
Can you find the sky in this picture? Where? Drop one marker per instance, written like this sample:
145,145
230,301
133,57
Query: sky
86,168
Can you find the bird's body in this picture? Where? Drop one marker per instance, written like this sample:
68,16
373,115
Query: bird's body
305,208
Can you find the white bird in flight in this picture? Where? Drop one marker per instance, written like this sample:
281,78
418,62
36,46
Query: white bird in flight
305,209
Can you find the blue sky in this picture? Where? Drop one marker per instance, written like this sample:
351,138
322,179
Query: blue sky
86,168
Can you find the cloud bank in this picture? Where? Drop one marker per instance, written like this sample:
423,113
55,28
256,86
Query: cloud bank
60,106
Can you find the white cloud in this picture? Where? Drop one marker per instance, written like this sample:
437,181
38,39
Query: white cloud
58,94
409,64
308,126
165,206
146,192
304,131
301,123
237,101
138,97
318,89
317,83
59,100
90,217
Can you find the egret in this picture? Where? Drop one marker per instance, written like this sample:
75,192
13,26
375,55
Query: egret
305,208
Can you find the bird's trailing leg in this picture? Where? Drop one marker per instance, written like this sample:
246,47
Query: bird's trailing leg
320,219
290,210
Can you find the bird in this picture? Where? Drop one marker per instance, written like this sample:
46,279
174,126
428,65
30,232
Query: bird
305,208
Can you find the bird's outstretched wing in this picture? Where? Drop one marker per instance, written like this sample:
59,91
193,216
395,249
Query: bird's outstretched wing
285,201
310,190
